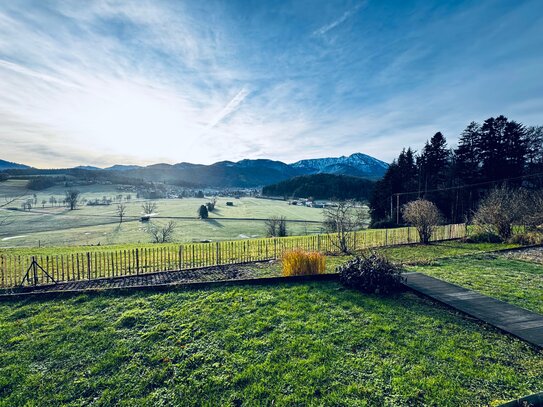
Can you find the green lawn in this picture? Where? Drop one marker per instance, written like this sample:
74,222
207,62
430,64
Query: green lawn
516,281
311,344
428,253
422,254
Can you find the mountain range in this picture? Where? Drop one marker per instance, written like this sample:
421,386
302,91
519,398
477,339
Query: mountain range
8,165
245,173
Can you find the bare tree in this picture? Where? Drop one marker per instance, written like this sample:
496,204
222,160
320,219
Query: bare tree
121,211
162,234
149,207
72,198
504,207
276,226
43,203
424,216
533,210
341,220
27,205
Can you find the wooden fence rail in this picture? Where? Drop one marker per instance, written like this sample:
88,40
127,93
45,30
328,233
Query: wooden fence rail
104,264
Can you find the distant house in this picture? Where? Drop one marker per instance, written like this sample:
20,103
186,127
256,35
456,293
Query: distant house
145,218
229,203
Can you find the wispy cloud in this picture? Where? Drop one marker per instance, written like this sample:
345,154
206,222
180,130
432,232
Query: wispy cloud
230,107
347,14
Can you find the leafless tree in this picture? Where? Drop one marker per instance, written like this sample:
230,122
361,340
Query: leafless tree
498,211
27,205
424,216
504,207
162,234
341,220
276,226
533,209
43,203
149,207
72,198
121,211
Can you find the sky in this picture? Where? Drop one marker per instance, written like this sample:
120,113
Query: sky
142,82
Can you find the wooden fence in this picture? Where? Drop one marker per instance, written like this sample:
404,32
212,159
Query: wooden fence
105,264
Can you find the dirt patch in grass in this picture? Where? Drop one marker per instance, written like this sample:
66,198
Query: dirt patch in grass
532,254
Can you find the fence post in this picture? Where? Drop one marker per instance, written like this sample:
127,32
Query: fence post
217,257
275,248
137,262
318,243
88,265
386,237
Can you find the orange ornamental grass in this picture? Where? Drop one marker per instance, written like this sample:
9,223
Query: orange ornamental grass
302,263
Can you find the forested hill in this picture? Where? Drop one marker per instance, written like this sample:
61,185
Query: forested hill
322,186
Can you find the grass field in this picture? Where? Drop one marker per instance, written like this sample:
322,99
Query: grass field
516,281
58,226
313,344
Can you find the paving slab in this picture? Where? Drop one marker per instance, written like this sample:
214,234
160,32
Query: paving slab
517,321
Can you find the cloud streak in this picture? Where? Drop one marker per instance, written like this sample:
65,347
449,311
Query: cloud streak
230,108
346,15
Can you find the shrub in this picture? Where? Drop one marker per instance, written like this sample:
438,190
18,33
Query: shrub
424,216
527,238
371,273
383,224
301,263
499,210
484,237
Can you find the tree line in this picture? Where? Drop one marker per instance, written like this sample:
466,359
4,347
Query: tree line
322,186
497,152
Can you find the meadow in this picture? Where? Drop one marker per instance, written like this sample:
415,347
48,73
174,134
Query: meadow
92,225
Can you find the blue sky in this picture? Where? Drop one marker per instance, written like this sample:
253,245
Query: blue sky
105,82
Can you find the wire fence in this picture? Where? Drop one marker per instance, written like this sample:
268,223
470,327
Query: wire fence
17,270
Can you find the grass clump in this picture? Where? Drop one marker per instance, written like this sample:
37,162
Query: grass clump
371,273
302,263
484,237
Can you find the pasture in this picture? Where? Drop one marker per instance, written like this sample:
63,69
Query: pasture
47,225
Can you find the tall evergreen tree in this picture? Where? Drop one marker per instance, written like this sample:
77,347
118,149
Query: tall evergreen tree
467,155
433,163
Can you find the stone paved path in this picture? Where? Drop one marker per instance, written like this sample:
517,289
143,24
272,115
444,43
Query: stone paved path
517,321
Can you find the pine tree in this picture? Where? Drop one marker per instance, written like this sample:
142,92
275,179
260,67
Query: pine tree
467,155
